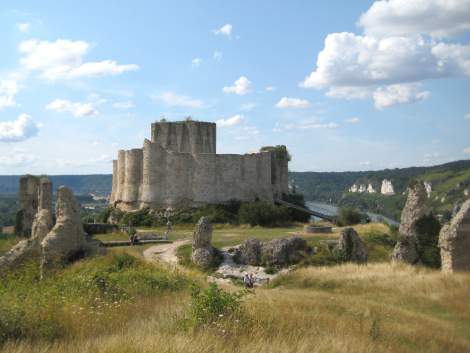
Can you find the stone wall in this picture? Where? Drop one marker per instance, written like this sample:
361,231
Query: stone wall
159,176
28,196
185,136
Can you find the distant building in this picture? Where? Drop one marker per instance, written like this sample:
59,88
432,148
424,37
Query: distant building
387,187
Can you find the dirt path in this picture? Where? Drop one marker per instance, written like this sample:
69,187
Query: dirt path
164,252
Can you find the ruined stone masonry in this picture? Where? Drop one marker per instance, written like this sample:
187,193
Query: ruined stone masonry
202,250
406,248
179,166
454,241
35,220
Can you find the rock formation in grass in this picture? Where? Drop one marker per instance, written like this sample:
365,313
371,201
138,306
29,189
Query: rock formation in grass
66,241
30,249
203,253
406,247
351,248
454,241
275,253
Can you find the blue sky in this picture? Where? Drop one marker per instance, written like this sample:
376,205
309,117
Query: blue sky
346,85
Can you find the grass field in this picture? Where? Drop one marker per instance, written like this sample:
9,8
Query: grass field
332,309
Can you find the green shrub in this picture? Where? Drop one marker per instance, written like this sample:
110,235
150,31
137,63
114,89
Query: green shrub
427,231
213,304
348,216
297,215
262,213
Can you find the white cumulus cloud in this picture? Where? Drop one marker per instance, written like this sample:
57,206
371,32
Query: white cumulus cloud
286,102
175,100
466,150
8,91
63,59
225,30
233,121
398,94
241,87
437,18
353,120
18,130
23,27
196,62
124,105
77,109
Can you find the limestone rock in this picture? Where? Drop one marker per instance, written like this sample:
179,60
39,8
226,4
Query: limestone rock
387,187
42,225
202,237
203,257
23,251
406,248
351,247
249,252
203,253
454,241
28,200
283,251
66,241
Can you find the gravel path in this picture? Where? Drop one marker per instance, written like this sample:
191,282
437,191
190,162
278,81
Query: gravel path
165,252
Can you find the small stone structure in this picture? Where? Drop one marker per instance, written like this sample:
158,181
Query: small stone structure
180,166
454,241
277,252
406,248
313,229
35,197
66,241
351,247
203,253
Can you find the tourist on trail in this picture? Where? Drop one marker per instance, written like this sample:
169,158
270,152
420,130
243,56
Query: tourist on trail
246,280
251,280
169,227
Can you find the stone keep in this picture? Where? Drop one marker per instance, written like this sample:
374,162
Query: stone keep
179,166
454,241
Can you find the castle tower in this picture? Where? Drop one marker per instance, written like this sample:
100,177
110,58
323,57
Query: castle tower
185,136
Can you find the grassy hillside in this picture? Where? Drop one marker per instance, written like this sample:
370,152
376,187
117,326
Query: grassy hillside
119,304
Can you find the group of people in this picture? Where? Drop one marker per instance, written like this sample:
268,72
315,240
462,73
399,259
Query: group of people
248,280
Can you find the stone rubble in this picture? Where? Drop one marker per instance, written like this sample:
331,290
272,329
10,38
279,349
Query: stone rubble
351,247
203,253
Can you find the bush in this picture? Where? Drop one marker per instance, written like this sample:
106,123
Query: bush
349,216
296,215
427,231
262,213
212,304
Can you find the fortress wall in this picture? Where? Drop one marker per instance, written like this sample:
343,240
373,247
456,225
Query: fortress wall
133,175
280,177
152,174
112,198
185,136
179,178
121,173
229,179
264,176
204,178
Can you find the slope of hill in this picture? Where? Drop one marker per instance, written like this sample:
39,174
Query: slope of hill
449,181
81,184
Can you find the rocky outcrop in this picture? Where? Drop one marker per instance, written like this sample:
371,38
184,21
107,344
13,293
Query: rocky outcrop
28,200
66,241
30,249
249,252
277,252
415,209
387,187
454,242
203,254
351,248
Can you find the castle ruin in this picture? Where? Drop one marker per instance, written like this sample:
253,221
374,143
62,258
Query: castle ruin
180,166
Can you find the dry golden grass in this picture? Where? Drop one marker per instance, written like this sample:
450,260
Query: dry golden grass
341,309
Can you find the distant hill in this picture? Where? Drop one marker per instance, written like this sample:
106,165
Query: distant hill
448,184
81,184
